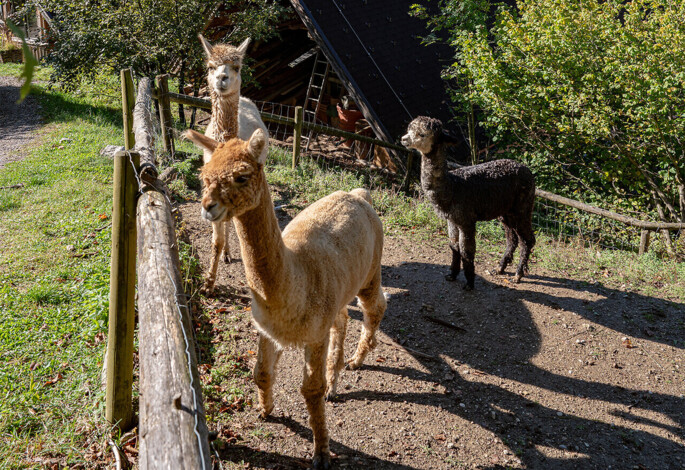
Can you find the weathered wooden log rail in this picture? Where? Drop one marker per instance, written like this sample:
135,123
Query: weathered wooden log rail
172,428
646,226
164,96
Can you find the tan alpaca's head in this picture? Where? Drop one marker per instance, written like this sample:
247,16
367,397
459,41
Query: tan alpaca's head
233,178
223,66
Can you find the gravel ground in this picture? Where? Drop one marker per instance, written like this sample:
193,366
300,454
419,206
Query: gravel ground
551,373
18,122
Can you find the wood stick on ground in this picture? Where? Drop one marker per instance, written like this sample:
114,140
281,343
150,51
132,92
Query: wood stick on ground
444,323
408,350
14,186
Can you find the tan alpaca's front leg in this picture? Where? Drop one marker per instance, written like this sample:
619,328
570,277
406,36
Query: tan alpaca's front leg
218,242
336,352
264,374
373,306
313,389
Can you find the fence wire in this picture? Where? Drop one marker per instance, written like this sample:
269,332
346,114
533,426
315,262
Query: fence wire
327,149
569,224
553,219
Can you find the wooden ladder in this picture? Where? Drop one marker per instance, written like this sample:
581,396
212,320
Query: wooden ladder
312,101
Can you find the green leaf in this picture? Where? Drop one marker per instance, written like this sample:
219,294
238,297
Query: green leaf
30,61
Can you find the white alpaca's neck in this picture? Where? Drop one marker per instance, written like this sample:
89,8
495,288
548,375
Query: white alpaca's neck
225,116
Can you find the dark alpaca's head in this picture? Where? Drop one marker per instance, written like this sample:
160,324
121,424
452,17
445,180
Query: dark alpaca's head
425,134
422,134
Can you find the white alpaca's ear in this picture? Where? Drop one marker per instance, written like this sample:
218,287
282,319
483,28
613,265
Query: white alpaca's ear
242,48
209,49
256,145
201,140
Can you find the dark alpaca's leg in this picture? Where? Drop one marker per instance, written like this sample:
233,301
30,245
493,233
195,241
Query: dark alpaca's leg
527,240
512,241
313,389
455,267
467,249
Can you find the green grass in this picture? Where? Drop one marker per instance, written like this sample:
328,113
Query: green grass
54,283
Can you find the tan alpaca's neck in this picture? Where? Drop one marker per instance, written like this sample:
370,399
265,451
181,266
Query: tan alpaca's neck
225,116
263,251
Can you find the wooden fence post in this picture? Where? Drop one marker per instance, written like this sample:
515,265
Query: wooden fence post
297,135
165,114
127,104
644,242
119,360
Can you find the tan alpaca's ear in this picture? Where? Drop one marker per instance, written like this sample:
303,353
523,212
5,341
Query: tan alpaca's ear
256,145
201,140
209,49
242,48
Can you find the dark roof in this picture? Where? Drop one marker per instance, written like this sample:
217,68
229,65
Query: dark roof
375,47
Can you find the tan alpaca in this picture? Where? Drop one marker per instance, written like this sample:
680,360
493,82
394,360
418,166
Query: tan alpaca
303,279
232,116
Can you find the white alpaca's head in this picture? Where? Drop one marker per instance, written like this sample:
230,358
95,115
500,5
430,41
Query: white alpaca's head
232,179
422,134
224,63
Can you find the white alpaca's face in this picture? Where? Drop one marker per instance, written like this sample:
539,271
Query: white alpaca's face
223,66
224,78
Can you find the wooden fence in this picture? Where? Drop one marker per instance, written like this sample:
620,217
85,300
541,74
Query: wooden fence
172,428
165,98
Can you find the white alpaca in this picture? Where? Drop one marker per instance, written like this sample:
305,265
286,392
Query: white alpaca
232,116
301,279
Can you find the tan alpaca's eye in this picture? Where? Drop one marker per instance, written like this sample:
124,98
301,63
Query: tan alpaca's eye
242,179
236,68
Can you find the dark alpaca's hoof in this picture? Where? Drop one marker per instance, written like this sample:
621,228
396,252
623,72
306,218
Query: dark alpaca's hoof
517,278
468,286
321,461
500,271
450,278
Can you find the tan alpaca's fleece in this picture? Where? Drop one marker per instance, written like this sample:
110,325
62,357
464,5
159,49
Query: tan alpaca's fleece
301,279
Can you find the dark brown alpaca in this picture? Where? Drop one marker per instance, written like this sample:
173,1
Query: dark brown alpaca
500,189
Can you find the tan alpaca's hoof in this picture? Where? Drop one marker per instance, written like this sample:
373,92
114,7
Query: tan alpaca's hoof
207,288
322,461
354,363
331,391
265,411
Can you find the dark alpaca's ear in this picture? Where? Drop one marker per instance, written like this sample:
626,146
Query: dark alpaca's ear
209,49
449,139
201,140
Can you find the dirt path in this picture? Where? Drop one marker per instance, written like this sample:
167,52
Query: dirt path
551,373
18,122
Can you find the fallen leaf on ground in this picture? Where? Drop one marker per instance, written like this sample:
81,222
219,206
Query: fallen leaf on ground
53,380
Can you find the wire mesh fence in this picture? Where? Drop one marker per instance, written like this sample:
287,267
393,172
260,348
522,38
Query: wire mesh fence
570,224
554,219
325,148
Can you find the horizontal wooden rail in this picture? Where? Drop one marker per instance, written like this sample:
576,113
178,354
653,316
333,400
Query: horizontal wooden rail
206,104
608,214
172,427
